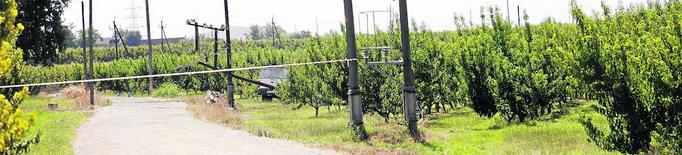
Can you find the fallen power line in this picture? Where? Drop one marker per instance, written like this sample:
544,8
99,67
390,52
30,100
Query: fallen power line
179,74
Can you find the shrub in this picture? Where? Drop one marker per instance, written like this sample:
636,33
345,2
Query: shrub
167,90
14,125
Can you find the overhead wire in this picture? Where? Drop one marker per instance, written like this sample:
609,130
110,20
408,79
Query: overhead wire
179,74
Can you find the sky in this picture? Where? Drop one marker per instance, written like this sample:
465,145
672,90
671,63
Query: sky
295,15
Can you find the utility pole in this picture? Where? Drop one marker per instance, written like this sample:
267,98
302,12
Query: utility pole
354,94
91,85
84,46
359,24
374,26
150,62
518,14
162,46
317,27
508,13
367,23
196,37
164,38
410,91
215,48
118,56
374,23
278,42
118,34
274,29
196,25
471,19
228,46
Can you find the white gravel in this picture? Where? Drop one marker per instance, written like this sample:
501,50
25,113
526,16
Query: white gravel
151,126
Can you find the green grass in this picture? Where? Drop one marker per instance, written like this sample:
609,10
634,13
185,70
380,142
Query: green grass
460,131
167,90
57,129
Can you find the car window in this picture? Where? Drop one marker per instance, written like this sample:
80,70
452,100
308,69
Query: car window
273,73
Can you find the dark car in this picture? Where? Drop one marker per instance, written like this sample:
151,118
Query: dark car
271,76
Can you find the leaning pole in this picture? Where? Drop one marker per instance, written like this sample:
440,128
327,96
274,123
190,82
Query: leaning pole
410,91
354,94
228,47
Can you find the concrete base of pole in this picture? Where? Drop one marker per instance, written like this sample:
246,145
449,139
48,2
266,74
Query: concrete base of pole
357,125
410,112
230,97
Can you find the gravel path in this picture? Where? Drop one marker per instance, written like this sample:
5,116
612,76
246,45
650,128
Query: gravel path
150,126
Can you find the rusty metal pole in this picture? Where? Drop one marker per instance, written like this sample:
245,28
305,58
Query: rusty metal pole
91,85
410,91
354,94
150,62
228,46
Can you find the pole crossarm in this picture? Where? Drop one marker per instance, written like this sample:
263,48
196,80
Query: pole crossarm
193,22
180,74
375,11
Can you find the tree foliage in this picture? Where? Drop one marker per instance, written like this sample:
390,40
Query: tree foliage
43,35
14,124
632,60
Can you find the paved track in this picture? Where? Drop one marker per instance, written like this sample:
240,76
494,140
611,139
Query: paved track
151,126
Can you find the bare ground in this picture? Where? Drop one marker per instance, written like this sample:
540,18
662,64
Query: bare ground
153,126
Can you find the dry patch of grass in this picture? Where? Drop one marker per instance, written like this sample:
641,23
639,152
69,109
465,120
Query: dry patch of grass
217,113
80,95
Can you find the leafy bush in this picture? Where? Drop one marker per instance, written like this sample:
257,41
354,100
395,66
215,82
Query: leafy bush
14,124
167,90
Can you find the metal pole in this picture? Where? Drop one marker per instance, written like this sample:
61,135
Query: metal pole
162,46
120,36
508,12
84,46
354,94
92,72
518,14
215,48
228,45
274,33
360,24
374,24
367,23
196,38
410,91
317,27
116,42
165,39
149,46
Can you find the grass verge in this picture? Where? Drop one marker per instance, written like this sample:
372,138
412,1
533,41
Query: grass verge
459,131
58,129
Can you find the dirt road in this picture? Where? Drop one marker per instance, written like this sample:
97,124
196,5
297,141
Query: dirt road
149,126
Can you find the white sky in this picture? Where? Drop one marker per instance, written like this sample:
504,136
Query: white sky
301,14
